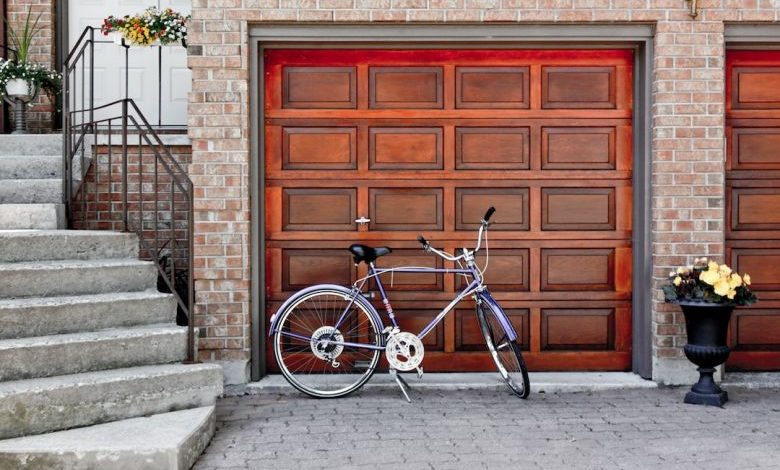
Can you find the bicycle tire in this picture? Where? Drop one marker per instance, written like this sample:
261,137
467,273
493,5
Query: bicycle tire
314,376
505,352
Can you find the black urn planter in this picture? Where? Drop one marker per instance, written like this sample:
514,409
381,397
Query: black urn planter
706,325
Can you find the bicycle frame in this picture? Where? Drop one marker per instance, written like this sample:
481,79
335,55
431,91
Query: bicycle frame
474,287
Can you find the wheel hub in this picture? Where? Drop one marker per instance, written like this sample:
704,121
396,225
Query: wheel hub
324,343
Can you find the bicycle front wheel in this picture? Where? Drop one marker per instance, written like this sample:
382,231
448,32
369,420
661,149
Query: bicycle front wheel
504,351
309,343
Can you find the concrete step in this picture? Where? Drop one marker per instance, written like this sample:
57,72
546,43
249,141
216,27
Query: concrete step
75,277
31,144
47,356
31,191
30,167
41,316
55,403
45,245
166,441
32,216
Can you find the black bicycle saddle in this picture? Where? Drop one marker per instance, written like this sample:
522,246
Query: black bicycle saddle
368,254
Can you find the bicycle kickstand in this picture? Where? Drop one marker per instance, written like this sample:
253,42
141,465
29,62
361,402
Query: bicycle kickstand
401,383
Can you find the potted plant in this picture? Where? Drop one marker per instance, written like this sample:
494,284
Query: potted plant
20,80
153,26
707,293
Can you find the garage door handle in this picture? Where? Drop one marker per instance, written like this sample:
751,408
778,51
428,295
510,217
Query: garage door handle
362,221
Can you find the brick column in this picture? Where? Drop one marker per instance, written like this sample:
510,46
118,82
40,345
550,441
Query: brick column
688,171
219,129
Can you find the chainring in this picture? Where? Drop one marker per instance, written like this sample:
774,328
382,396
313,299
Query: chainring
404,351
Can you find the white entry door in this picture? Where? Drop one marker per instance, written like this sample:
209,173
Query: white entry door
159,79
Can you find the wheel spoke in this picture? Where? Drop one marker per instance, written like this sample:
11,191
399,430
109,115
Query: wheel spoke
308,365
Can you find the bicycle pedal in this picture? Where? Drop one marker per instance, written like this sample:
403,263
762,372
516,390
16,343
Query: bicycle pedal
419,373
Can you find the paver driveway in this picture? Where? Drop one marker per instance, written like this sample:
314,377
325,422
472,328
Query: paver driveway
469,429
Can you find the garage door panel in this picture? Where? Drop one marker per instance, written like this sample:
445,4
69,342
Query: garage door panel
492,148
411,281
302,268
405,87
578,329
509,270
468,335
763,265
755,148
577,269
426,143
319,148
492,87
405,148
394,209
757,329
755,208
578,87
511,203
578,209
319,87
578,148
755,87
319,209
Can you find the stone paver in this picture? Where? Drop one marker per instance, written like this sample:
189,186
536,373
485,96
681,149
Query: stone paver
470,429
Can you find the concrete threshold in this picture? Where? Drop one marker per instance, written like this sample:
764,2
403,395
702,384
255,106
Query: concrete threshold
541,382
752,380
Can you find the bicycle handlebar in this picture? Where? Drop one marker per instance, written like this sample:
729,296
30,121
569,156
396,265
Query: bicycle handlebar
488,214
485,222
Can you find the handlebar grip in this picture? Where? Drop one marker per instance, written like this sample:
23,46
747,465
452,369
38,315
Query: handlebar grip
422,241
489,213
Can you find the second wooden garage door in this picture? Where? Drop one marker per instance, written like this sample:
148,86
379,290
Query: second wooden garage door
423,141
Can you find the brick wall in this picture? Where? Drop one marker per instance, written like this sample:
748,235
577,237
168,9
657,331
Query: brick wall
39,116
687,133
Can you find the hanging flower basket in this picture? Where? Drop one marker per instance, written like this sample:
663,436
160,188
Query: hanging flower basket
153,26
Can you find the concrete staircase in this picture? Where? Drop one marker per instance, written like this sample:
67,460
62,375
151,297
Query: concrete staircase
31,182
91,372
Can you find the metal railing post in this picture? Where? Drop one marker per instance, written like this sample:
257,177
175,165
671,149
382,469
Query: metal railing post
124,166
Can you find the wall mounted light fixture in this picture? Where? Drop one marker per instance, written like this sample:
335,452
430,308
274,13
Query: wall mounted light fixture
694,8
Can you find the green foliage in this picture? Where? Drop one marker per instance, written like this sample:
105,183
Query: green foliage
21,39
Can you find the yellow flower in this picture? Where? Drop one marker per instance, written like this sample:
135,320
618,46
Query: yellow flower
735,281
722,287
681,270
709,277
712,266
746,278
724,270
677,281
731,294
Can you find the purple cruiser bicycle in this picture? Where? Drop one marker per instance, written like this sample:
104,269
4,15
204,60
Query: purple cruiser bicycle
328,339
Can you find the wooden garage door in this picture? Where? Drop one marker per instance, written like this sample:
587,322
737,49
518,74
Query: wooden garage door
753,202
423,141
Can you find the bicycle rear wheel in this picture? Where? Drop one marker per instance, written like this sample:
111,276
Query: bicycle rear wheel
505,352
308,345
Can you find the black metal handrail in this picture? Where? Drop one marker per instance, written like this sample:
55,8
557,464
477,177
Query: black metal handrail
119,175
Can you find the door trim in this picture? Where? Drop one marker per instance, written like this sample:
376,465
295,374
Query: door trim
636,36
